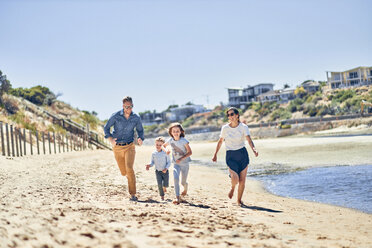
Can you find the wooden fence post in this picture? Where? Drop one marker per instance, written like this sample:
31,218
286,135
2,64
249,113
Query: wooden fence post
30,134
37,142
7,139
50,147
43,133
12,138
24,142
20,141
2,139
71,139
59,143
16,141
67,142
54,141
63,142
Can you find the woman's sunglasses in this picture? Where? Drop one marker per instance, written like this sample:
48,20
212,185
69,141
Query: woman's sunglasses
232,114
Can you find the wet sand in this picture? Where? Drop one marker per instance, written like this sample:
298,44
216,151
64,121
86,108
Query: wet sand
80,199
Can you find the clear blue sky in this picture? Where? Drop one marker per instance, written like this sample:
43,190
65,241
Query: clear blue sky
172,52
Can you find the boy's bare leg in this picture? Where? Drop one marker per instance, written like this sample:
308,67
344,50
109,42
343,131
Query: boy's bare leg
164,189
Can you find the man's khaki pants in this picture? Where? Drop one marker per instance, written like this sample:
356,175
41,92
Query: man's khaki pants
124,156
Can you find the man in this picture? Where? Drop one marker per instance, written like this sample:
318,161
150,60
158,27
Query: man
122,137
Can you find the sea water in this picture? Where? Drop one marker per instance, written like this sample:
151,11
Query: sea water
346,186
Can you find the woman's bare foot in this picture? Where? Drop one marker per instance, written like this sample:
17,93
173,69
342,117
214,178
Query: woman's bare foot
162,198
231,193
164,189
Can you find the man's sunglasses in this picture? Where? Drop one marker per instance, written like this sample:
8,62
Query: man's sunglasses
232,114
128,107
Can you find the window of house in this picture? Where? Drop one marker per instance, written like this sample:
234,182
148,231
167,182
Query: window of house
353,74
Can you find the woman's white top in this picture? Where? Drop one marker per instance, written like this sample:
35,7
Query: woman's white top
234,136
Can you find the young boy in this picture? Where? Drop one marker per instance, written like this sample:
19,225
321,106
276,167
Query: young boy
162,162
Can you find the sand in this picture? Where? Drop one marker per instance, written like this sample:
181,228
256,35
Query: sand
79,199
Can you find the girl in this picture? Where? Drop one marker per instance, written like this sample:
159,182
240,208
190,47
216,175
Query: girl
234,134
181,153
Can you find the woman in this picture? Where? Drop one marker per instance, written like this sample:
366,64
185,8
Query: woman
234,134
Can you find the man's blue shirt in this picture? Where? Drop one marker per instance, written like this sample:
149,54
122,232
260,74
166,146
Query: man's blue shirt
124,128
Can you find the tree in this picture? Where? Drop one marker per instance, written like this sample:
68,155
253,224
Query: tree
170,107
300,91
286,86
5,86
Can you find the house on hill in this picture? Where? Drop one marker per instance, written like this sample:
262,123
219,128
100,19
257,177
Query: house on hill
281,96
182,112
239,97
311,86
356,77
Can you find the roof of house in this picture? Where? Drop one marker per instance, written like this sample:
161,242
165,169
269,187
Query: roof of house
311,83
270,93
359,67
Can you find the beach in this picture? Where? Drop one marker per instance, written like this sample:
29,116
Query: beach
79,199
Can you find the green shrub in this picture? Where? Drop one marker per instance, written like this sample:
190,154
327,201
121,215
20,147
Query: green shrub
151,128
188,122
38,95
280,114
90,119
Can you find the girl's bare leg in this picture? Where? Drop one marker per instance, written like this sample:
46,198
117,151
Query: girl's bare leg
177,201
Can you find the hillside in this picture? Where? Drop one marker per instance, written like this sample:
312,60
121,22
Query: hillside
323,103
25,114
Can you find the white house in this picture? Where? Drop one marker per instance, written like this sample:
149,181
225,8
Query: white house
184,111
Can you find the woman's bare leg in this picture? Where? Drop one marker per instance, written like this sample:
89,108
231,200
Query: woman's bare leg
242,177
234,182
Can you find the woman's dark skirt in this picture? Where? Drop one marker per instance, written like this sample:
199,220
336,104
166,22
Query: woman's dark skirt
237,160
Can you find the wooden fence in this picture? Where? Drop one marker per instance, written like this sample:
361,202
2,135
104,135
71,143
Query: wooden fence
16,142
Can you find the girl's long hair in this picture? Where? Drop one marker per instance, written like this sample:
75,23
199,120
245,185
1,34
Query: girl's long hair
176,124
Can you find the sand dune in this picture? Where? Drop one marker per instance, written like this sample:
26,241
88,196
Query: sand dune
80,199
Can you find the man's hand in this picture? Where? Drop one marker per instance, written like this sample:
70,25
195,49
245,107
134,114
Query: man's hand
164,171
139,141
147,167
112,141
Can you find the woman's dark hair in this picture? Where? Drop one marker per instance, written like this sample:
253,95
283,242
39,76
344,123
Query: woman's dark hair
236,111
176,124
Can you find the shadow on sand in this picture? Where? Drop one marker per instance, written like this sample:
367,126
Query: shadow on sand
260,208
149,200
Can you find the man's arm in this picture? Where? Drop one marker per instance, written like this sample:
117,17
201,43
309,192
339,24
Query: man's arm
140,131
107,127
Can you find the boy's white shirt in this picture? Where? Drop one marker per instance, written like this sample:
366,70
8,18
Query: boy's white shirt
161,160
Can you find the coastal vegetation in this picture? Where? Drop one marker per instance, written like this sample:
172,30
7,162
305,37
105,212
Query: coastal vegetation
29,114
